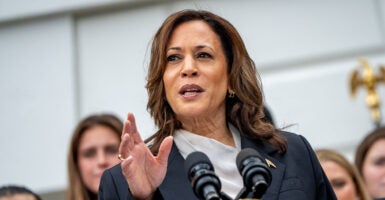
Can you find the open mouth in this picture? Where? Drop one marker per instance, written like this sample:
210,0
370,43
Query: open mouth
190,90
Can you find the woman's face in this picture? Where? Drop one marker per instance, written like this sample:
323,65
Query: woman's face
373,169
195,77
340,180
98,150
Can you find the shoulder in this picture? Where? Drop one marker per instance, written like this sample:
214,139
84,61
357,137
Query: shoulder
299,152
302,164
292,137
296,141
114,173
113,184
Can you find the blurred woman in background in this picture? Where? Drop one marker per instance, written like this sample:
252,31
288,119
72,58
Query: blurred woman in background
93,149
370,162
343,176
17,192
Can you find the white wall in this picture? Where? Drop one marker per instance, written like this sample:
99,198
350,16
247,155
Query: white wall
112,54
37,101
23,9
55,69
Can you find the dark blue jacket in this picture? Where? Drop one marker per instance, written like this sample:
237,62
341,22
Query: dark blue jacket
297,176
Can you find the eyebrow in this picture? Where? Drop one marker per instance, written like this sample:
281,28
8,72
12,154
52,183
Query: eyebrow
196,47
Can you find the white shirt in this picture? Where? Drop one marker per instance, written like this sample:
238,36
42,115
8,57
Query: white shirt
221,156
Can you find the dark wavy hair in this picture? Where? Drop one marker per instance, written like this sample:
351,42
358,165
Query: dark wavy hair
245,110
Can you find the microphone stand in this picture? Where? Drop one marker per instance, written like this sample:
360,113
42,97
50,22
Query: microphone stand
245,194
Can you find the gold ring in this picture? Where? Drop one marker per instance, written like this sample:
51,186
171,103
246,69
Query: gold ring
120,157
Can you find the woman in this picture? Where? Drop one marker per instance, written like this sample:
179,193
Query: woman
94,148
204,95
370,162
343,176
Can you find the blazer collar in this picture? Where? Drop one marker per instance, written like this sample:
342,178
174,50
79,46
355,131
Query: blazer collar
176,183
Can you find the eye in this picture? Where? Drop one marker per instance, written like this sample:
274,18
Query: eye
380,161
337,184
89,153
172,58
204,55
111,149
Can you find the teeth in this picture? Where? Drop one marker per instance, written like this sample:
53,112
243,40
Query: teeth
191,90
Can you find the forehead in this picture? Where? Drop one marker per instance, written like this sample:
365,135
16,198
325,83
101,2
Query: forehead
377,145
97,135
333,168
19,197
197,28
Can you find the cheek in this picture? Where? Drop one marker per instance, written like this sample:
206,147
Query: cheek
113,161
222,84
168,82
370,173
347,192
169,76
85,168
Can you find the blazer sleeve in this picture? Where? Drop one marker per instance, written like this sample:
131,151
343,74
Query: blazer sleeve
324,189
107,187
113,186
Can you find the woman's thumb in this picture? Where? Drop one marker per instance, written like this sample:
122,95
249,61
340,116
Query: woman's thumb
164,150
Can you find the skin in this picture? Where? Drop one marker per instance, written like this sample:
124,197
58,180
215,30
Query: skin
373,169
98,151
19,197
196,61
340,180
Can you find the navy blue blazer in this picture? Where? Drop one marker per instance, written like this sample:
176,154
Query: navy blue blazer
297,176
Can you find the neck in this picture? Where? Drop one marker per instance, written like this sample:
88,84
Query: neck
211,128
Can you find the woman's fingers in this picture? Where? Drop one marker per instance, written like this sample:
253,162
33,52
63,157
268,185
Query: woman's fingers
164,150
130,137
132,129
124,146
126,125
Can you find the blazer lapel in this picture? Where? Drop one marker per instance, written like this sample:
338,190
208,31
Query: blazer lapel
267,152
176,184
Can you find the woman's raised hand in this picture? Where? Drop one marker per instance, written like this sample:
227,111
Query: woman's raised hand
143,171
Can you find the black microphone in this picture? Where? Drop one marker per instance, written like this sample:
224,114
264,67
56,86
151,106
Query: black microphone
256,175
205,183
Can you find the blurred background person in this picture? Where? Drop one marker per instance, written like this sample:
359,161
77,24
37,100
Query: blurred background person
93,149
370,162
343,176
15,192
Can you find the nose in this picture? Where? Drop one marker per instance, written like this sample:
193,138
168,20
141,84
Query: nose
102,159
189,68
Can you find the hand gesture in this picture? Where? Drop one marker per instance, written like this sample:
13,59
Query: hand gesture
143,171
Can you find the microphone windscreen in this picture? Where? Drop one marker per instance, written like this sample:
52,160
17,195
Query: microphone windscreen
244,154
195,158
